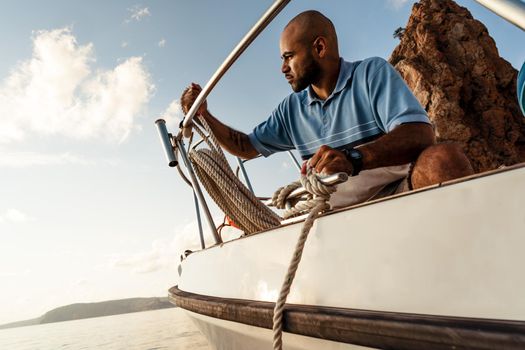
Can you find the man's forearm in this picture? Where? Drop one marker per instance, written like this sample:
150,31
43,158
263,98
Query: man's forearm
400,146
233,141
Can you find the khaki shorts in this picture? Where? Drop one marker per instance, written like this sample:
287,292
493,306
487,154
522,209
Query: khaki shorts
396,187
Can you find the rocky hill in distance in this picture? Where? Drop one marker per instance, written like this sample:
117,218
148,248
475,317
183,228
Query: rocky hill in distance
88,310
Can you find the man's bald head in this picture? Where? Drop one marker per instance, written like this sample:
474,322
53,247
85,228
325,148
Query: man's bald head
309,25
310,54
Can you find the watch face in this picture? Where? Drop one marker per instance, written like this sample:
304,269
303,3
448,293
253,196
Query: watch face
356,158
355,154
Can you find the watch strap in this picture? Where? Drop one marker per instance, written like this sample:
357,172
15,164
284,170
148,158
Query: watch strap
356,158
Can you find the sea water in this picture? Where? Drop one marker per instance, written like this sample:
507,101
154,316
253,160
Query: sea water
149,330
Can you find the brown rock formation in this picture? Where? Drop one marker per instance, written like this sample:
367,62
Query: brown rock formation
452,65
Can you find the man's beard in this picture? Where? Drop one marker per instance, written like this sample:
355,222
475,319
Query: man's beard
311,74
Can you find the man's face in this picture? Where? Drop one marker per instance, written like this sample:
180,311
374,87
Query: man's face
299,65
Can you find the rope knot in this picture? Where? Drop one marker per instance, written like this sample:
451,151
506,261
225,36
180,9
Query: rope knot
313,184
318,195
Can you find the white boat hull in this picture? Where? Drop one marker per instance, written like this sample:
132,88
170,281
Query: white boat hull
457,250
237,336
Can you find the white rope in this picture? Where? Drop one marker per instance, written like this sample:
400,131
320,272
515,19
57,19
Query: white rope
317,205
227,190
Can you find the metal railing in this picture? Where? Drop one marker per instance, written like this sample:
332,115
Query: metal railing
333,179
510,10
172,146
267,17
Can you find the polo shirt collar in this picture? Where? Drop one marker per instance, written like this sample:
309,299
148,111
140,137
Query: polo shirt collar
346,70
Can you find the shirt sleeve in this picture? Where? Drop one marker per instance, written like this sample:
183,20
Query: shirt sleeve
271,136
392,101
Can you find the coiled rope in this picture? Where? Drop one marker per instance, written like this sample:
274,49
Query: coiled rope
226,189
251,215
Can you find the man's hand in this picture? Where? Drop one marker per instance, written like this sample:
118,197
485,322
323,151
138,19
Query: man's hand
235,142
329,161
189,95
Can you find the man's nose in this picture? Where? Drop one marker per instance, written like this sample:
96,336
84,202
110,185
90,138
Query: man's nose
285,68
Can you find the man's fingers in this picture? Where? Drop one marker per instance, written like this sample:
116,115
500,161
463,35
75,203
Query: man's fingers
303,168
192,94
312,162
323,165
320,154
196,87
332,169
189,96
328,161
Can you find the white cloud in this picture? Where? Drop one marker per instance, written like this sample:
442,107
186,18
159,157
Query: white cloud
124,44
187,238
157,258
14,215
81,283
397,4
137,13
24,159
5,274
164,254
173,115
57,93
162,42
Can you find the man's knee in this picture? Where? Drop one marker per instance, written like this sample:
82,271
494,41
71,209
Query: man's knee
439,163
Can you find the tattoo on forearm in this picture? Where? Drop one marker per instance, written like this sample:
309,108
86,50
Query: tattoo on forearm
239,139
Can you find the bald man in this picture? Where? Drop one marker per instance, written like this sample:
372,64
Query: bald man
353,117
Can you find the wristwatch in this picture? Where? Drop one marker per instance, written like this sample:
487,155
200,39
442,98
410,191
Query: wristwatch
356,158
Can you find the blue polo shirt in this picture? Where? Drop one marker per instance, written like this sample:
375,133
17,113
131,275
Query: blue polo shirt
369,100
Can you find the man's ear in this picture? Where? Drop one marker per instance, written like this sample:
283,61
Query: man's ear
320,47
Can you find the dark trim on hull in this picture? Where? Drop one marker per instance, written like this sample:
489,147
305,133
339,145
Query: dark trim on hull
376,329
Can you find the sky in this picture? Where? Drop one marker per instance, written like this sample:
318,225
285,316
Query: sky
89,209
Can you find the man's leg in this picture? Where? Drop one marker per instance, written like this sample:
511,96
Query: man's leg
439,163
